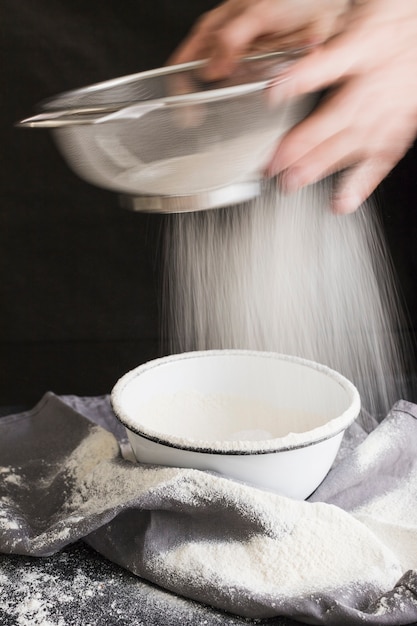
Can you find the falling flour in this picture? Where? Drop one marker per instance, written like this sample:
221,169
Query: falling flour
284,274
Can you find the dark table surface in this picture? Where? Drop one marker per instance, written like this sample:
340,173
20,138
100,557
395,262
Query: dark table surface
79,587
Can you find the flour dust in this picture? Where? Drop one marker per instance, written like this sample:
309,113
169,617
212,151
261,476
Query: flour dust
285,274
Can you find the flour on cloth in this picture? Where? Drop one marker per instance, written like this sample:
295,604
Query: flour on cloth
345,556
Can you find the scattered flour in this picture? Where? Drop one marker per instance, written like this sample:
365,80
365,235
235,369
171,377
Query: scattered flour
288,541
98,447
272,550
377,444
99,481
393,518
291,544
8,520
288,564
10,476
304,551
78,588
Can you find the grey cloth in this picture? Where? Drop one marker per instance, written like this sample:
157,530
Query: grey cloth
63,478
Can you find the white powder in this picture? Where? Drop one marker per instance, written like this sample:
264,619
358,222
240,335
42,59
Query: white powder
392,517
99,482
9,476
98,447
298,550
305,549
190,416
255,434
77,588
284,274
8,518
376,445
291,544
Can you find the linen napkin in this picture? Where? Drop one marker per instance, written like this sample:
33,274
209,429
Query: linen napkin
348,555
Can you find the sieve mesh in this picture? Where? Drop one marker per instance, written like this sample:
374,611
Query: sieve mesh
171,82
181,149
167,133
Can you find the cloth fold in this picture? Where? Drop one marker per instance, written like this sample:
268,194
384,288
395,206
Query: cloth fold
348,555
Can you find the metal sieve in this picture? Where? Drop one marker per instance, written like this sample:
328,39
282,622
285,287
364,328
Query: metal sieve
170,142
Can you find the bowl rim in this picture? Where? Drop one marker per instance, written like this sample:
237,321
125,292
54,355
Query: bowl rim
291,441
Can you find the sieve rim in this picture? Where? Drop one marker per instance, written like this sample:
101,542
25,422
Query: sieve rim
52,115
214,198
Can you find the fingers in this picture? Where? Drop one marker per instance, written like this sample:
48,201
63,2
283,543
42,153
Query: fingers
197,44
267,25
362,165
356,186
355,183
238,26
224,35
331,155
233,40
323,138
359,182
325,65
357,130
366,55
364,41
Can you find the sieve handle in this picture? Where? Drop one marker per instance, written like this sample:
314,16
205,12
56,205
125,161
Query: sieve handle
89,115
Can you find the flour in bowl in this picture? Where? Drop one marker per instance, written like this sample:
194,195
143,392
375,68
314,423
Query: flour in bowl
190,415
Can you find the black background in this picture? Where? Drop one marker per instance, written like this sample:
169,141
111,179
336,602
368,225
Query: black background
79,275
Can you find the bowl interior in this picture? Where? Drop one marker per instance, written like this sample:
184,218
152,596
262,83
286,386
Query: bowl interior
235,396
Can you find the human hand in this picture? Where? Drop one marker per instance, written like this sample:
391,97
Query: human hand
237,27
367,56
368,120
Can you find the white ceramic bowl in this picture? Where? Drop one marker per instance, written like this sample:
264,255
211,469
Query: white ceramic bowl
266,419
